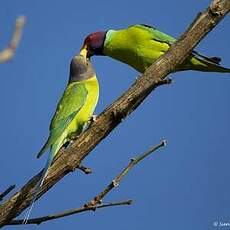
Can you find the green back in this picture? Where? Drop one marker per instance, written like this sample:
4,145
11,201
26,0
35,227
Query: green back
138,45
155,34
71,101
70,104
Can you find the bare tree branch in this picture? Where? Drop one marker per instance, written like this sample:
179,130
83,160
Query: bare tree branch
118,178
70,158
8,53
93,204
7,191
39,220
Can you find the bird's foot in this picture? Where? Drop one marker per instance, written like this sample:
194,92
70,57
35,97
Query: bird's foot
73,138
66,144
70,141
93,118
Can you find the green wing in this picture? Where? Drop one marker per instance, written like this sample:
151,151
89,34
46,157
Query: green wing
156,34
162,37
70,104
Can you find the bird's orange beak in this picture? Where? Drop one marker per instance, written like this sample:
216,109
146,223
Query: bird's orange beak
84,51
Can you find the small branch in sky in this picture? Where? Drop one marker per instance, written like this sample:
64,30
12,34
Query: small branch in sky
8,53
39,220
7,191
118,178
166,81
96,202
84,169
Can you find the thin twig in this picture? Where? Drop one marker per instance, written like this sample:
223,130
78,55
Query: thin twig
39,220
8,53
7,191
118,178
84,169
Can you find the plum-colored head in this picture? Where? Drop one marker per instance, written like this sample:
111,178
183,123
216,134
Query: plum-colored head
93,44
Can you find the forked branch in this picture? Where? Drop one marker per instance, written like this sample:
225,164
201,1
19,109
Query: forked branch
95,203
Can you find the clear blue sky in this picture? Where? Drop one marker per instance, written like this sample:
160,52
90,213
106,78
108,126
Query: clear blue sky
185,185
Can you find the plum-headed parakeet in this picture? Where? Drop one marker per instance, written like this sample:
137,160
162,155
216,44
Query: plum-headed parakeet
73,112
140,45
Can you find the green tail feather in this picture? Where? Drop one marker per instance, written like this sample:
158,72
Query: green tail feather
53,151
43,150
57,132
204,64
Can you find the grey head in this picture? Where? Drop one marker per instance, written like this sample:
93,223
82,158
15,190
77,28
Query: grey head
80,69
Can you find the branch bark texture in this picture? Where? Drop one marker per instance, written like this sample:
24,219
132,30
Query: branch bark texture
70,158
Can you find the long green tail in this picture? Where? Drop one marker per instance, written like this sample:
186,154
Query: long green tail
202,63
53,151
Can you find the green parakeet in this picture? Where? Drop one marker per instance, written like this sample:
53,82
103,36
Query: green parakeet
140,45
73,112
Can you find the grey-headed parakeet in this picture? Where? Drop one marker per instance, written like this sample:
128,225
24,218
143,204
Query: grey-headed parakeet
73,112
